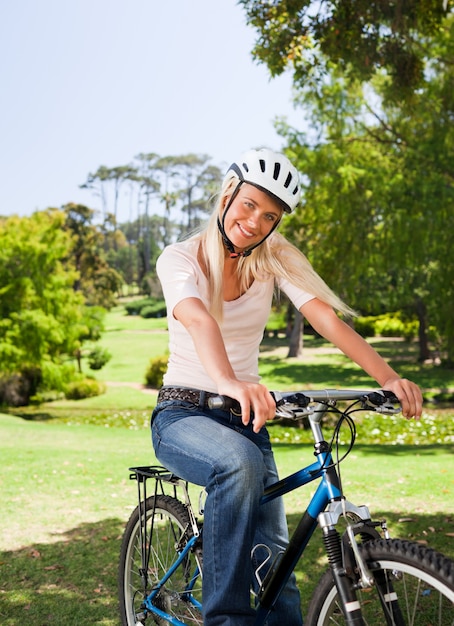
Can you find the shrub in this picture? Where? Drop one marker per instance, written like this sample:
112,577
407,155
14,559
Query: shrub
395,325
98,357
17,389
56,376
46,396
14,390
158,309
147,307
155,372
387,325
86,388
365,326
134,307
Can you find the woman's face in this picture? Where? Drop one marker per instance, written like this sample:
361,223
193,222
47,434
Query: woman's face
250,217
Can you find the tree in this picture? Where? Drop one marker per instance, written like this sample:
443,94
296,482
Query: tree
376,80
99,282
358,36
378,209
199,179
150,186
40,312
97,182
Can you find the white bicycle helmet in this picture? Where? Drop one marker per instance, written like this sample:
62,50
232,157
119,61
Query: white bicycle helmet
272,173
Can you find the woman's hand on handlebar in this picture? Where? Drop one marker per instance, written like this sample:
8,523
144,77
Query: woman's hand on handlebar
408,394
253,397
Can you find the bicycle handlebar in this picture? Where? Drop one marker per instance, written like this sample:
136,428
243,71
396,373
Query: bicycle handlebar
298,403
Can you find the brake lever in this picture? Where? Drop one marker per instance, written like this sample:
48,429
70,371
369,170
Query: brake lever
292,406
381,401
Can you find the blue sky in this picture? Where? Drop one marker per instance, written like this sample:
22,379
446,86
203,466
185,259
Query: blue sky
95,82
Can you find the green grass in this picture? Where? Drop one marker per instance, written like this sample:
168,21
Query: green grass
132,341
322,365
66,493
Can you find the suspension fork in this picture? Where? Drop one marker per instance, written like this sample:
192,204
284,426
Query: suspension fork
350,605
344,556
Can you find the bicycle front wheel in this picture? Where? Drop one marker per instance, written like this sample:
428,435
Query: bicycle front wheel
166,531
414,586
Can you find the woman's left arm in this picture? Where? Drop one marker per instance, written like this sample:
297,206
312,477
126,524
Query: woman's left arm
325,321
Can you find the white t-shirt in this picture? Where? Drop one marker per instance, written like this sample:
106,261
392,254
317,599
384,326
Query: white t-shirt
242,328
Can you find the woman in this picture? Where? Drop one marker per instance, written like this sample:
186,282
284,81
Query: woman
218,287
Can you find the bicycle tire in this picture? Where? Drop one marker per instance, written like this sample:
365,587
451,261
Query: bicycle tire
171,527
422,579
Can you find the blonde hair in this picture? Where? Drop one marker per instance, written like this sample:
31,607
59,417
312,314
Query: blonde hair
276,256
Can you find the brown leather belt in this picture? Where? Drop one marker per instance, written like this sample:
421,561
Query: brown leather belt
185,394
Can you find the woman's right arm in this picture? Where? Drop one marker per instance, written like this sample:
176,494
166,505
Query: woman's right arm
209,344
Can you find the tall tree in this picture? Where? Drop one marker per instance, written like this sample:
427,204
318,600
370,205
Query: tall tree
99,282
97,182
197,180
39,310
379,197
358,36
150,186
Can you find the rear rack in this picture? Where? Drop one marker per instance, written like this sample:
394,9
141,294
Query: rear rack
142,472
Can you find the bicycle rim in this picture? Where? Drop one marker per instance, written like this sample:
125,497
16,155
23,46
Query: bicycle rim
170,530
416,588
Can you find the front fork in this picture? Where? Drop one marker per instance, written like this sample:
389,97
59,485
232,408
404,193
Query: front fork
349,570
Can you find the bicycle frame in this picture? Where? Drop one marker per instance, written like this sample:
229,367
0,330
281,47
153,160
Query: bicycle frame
325,507
327,499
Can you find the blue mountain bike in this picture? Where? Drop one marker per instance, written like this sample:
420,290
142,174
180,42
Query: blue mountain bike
371,579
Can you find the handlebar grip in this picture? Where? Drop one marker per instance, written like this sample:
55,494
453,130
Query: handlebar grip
224,403
217,402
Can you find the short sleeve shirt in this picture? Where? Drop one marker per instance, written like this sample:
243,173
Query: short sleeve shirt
242,328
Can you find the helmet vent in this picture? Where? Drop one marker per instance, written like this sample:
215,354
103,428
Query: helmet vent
270,172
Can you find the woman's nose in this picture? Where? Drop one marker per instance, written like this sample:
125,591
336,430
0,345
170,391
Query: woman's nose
253,219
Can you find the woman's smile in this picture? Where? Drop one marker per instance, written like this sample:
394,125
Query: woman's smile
245,232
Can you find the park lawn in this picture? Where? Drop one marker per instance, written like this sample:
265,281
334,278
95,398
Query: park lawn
66,496
132,341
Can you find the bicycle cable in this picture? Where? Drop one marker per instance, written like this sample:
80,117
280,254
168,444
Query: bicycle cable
334,442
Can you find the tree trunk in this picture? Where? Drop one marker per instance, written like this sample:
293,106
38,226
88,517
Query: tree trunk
296,337
424,350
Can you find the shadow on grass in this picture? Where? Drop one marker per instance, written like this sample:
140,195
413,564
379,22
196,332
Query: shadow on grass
286,372
70,583
30,414
336,370
73,582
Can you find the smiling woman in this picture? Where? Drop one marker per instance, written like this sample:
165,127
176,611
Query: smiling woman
218,286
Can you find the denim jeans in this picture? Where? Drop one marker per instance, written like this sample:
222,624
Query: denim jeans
215,450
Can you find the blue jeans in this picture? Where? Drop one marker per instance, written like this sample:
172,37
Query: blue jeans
215,450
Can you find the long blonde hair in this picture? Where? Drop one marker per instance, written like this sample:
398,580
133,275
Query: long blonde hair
276,256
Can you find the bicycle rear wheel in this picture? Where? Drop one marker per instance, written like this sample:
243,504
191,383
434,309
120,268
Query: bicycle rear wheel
414,587
169,519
